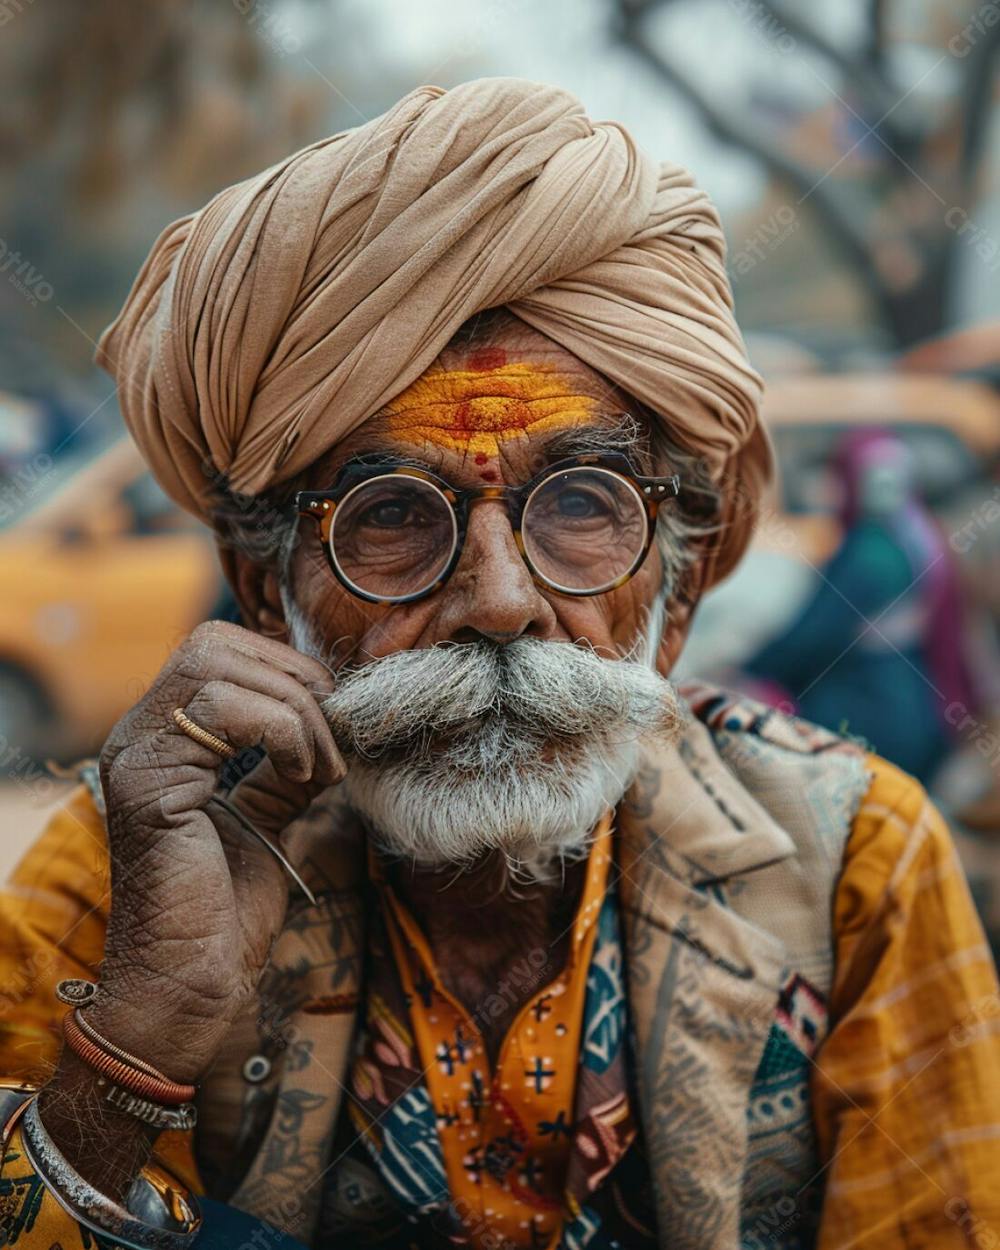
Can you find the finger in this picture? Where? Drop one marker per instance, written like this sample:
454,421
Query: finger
310,672
244,718
298,670
270,800
252,674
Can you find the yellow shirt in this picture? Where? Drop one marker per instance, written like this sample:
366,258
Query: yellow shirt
906,1088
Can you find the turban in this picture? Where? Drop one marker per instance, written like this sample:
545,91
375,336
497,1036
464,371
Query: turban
294,305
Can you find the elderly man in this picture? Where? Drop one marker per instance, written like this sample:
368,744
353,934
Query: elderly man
436,915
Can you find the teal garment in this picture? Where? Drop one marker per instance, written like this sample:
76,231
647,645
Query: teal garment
871,683
225,1228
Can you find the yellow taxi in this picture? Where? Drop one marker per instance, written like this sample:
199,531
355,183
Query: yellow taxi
103,577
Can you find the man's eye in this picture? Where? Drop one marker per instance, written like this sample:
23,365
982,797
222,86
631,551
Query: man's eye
389,514
580,504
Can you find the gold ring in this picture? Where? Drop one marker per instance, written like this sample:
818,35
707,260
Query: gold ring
202,736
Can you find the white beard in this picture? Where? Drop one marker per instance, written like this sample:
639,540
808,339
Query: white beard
463,749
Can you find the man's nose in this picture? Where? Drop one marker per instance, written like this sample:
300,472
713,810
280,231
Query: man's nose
491,593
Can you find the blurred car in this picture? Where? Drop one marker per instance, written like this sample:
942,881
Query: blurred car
951,427
104,577
32,429
968,349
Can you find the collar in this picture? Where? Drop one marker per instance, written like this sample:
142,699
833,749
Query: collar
707,826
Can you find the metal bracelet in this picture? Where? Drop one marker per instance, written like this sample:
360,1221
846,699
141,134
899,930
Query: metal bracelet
116,1052
156,1088
163,1226
184,1116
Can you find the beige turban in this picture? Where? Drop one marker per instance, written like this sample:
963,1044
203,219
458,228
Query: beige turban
265,327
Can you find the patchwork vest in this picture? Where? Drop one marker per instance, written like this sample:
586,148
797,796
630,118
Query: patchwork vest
731,855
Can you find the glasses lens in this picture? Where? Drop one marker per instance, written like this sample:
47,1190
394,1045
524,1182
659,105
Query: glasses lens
393,536
584,528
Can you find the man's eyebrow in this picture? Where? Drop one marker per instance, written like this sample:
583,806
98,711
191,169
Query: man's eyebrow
388,458
624,435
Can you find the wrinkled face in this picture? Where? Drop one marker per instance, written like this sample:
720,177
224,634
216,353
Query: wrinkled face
494,715
495,414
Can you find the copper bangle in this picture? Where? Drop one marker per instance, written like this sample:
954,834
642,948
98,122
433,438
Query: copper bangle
116,1051
168,1093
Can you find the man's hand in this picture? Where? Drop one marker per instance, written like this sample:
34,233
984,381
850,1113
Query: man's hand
196,902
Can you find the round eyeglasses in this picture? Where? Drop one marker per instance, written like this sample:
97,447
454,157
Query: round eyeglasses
392,535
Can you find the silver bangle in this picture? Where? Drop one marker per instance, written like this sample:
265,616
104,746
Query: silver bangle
96,1211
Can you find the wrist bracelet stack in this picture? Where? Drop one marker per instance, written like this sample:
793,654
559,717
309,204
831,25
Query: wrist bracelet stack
134,1086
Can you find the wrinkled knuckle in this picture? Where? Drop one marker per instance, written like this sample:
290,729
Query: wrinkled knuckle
114,744
135,759
285,717
134,805
193,655
207,631
299,701
289,741
317,672
209,695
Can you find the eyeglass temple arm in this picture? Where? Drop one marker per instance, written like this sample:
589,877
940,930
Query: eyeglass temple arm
312,503
659,487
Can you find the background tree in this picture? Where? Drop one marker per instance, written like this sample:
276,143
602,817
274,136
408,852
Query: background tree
901,226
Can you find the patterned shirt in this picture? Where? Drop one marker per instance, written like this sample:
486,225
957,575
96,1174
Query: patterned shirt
513,1157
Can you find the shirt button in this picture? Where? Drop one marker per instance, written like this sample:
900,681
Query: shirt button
256,1069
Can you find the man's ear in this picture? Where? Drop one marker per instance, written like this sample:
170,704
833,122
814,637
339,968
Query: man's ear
257,593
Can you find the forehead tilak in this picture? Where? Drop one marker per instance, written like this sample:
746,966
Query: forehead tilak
478,410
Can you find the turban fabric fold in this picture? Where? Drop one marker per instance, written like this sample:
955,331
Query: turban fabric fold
271,323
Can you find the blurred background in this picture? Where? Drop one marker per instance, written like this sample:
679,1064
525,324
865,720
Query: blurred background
854,153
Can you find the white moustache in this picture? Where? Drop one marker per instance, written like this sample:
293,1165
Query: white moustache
535,691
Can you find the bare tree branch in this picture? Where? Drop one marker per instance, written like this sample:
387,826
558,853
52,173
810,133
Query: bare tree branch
975,110
875,97
849,238
909,307
873,49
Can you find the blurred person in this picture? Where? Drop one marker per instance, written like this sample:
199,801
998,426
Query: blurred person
878,649
421,908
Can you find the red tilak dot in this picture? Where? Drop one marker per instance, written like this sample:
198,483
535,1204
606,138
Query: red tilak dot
481,457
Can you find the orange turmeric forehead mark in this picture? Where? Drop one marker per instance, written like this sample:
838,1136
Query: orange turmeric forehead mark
480,407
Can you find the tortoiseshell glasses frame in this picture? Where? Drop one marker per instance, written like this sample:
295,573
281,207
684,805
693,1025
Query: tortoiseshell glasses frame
323,505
